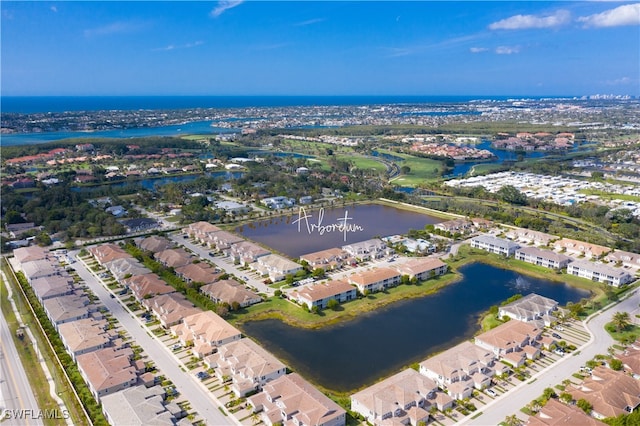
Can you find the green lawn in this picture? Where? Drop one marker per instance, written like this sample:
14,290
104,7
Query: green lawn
609,195
629,334
422,169
364,163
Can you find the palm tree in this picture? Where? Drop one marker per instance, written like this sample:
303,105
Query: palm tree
621,320
512,420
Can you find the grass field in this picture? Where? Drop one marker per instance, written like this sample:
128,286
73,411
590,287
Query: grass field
609,195
422,169
363,163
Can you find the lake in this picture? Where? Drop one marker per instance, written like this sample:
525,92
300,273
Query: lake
293,238
353,354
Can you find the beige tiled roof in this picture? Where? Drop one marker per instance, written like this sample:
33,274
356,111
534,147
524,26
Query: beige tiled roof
325,256
608,391
570,244
199,272
420,265
373,276
321,291
147,284
108,252
230,291
555,413
84,334
459,360
246,359
155,243
207,327
29,254
510,334
173,257
106,368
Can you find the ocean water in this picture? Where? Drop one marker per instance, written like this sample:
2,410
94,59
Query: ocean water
43,104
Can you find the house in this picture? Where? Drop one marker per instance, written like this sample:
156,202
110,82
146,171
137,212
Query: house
624,258
555,413
67,308
127,266
599,272
464,363
232,207
374,248
305,199
206,331
247,252
580,248
107,252
631,361
44,268
55,286
290,399
275,266
455,226
278,202
404,398
223,240
117,211
173,258
199,230
609,392
422,268
198,272
84,336
326,259
230,292
248,365
511,336
16,230
320,294
107,371
545,258
29,254
141,406
155,244
147,285
376,279
418,245
494,245
139,224
528,308
529,236
170,308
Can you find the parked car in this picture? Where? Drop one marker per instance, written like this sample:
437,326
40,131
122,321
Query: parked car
202,375
176,347
559,328
556,336
491,392
559,352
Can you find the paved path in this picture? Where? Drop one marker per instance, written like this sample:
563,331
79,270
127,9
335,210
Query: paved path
200,398
511,402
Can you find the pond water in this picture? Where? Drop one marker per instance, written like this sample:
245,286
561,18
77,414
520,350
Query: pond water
291,235
353,354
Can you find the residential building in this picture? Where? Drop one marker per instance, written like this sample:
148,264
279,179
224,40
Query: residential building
545,258
328,259
141,406
599,272
230,292
67,308
422,268
155,244
290,399
466,363
555,413
107,370
232,207
29,254
147,285
201,230
139,224
631,361
173,258
624,258
511,336
44,268
170,308
206,331
107,252
455,226
247,252
83,336
529,236
529,308
402,399
275,266
580,248
127,266
375,280
494,245
609,392
55,286
198,272
370,249
320,294
248,365
223,240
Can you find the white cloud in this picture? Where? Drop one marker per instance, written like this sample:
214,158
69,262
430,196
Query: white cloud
521,22
225,5
623,81
478,49
120,27
629,14
309,22
182,46
53,9
507,50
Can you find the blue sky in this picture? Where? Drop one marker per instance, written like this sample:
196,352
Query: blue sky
320,48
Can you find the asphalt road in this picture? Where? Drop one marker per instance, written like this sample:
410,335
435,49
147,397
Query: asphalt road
15,390
200,398
511,402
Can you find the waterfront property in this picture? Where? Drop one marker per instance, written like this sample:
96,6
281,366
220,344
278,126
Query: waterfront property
198,272
248,365
404,398
461,368
544,258
326,259
530,308
230,292
455,226
580,248
374,280
247,252
529,236
275,266
290,399
422,268
201,231
624,258
205,331
494,245
510,337
374,248
320,294
599,272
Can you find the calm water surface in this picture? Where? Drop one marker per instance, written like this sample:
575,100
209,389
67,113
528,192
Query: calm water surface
294,239
359,352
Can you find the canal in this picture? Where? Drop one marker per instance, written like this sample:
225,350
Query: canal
353,354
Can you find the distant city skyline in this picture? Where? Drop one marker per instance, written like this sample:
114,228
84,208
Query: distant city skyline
245,48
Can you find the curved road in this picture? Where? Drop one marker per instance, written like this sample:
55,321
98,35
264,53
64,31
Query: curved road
511,402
